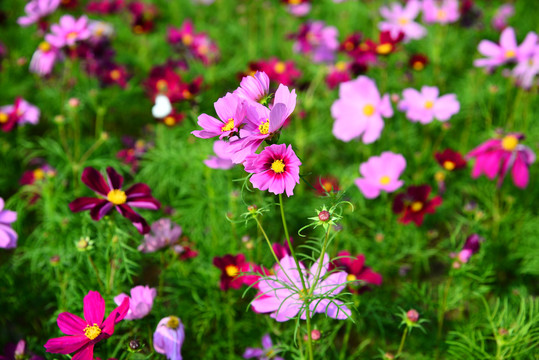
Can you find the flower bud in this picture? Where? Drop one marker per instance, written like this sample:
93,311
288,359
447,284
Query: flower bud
412,315
324,215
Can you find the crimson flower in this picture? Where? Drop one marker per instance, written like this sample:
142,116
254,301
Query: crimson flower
357,271
414,204
450,160
138,195
84,334
231,268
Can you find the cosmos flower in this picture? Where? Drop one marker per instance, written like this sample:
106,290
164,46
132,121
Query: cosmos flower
140,301
231,112
361,275
359,110
499,20
427,105
338,73
414,204
163,233
199,45
399,19
142,16
138,195
36,10
471,247
168,337
326,184
450,160
496,157
20,113
387,43
283,296
43,59
316,39
526,70
418,62
105,7
111,73
279,71
267,351
222,160
444,12
68,31
8,236
254,88
381,173
231,268
18,352
275,169
84,334
163,80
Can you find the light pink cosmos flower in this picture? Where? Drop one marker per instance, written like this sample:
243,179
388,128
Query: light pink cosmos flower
8,236
43,59
499,20
275,169
359,109
300,9
140,302
254,88
496,157
20,113
163,233
317,40
507,51
527,69
36,10
231,112
281,294
401,19
68,31
444,13
381,173
223,160
426,106
168,337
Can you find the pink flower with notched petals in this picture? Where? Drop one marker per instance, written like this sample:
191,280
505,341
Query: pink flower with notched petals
223,160
496,157
381,173
317,40
68,31
20,113
425,106
399,19
140,302
231,112
275,169
507,51
43,59
84,334
8,236
527,69
36,10
254,88
444,12
359,111
138,195
163,233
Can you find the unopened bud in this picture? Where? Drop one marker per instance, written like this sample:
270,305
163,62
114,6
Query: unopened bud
134,344
412,315
55,260
252,208
324,215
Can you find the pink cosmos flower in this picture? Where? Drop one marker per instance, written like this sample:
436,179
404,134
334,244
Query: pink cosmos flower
254,88
401,19
444,13
68,31
8,236
84,334
231,112
381,173
18,351
496,157
317,40
36,10
471,246
223,160
43,59
499,20
275,169
298,7
426,106
507,51
527,69
140,302
112,195
168,337
285,302
163,233
359,109
21,112
265,353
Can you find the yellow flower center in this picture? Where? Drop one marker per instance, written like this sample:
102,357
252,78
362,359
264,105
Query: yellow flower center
384,180
169,121
349,46
441,14
115,74
3,118
327,186
340,65
509,142
368,110
280,67
187,94
232,270
72,35
403,21
417,206
161,85
92,332
228,126
264,127
203,49
418,66
449,165
384,49
278,166
173,322
117,197
429,104
439,176
39,174
294,2
44,46
364,46
510,54
187,39
137,29
351,277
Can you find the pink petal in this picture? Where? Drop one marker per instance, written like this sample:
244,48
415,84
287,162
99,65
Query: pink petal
71,324
94,308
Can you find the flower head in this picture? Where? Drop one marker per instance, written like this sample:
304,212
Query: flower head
418,62
359,276
44,58
168,337
427,105
140,302
381,173
444,12
317,40
471,246
84,334
8,236
267,352
399,19
222,160
231,112
231,270
112,195
254,88
415,203
499,20
68,31
163,233
35,10
21,112
450,160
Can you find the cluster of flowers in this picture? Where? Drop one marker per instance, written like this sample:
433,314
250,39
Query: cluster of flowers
278,71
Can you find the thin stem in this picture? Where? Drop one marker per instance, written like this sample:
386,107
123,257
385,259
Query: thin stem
309,335
441,312
403,340
320,262
342,355
96,272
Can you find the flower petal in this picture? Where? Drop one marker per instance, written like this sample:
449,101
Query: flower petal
71,324
94,308
94,180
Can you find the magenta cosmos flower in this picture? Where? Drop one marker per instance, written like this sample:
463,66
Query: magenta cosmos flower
414,204
163,233
444,12
222,160
140,302
399,19
20,113
275,169
43,59
254,88
358,275
267,352
84,334
427,105
68,31
8,236
282,294
507,51
471,246
138,195
316,39
381,173
496,157
231,112
168,337
36,10
359,109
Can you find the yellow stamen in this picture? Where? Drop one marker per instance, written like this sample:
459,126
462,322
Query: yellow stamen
429,104
187,39
169,121
117,197
203,49
137,29
368,110
294,2
417,206
187,94
92,332
115,74
509,142
232,270
449,165
264,127
340,65
384,180
278,166
439,176
44,46
351,277
510,54
228,126
441,14
161,85
327,186
173,322
3,118
280,67
403,21
349,46
72,35
384,49
39,174
418,66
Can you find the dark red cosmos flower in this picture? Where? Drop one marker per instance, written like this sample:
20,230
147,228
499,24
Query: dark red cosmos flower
338,74
414,204
231,268
351,43
173,118
164,80
104,7
418,62
111,73
450,160
279,72
326,184
143,15
386,44
138,195
357,271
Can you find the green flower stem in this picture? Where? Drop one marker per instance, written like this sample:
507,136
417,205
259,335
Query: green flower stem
96,272
403,340
442,310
